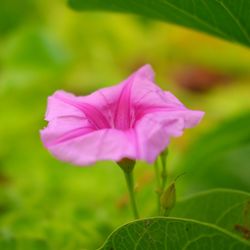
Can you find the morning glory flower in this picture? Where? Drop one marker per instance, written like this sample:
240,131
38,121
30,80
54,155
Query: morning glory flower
134,119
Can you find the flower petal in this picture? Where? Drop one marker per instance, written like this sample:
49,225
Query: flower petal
144,92
65,104
155,130
123,112
58,107
105,144
134,119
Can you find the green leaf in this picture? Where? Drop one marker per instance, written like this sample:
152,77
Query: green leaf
172,234
224,208
228,19
219,158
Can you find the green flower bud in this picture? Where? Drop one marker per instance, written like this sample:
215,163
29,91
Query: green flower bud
168,199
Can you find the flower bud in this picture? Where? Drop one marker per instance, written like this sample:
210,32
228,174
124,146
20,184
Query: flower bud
168,199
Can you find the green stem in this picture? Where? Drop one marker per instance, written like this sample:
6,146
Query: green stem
163,177
158,186
163,157
130,184
127,166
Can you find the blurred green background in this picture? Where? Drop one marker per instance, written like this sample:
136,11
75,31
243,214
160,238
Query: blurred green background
45,46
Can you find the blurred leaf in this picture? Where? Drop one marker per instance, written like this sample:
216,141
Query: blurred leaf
222,207
36,48
33,55
23,243
223,18
172,233
13,13
219,158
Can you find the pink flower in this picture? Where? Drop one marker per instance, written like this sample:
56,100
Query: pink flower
134,119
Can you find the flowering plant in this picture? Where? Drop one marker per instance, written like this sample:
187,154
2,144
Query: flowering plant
131,121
